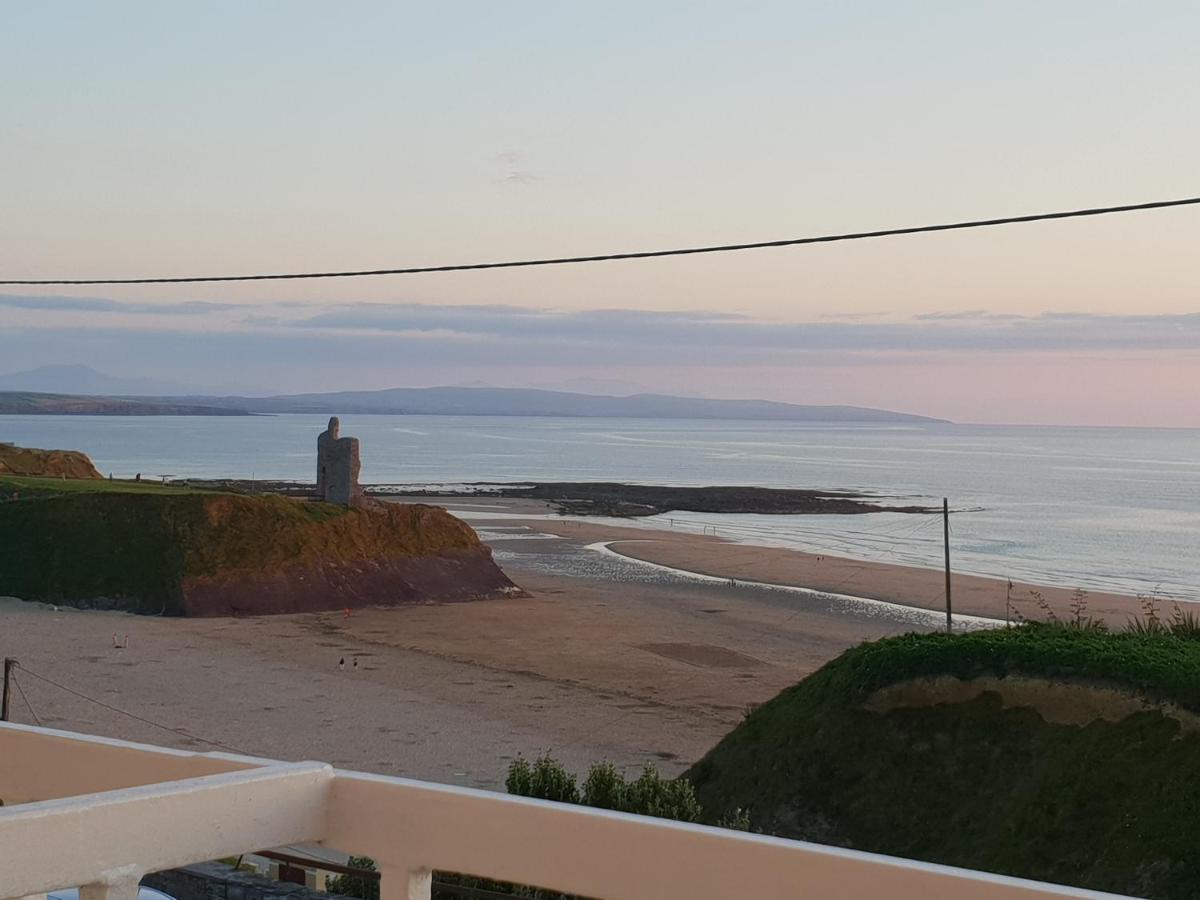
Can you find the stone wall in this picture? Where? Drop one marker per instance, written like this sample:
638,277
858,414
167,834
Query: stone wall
338,466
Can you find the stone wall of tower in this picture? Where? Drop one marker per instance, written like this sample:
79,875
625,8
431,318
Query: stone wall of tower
338,466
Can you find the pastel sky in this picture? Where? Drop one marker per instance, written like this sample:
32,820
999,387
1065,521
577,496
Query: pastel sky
171,139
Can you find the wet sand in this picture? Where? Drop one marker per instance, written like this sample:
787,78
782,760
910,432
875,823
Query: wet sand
905,585
607,658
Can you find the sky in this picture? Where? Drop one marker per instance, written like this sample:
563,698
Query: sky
227,138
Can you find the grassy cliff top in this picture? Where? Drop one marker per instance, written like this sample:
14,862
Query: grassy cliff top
217,532
36,485
143,541
1111,804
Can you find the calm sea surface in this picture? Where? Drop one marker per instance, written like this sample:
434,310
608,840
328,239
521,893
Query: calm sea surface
1102,508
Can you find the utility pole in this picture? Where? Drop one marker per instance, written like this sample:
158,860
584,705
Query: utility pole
9,665
946,541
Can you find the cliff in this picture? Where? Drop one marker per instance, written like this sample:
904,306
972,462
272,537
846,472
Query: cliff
207,554
16,460
1050,752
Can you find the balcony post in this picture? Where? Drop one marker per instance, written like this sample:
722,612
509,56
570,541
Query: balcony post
125,888
400,882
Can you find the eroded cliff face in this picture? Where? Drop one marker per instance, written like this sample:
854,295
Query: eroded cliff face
323,584
33,462
206,554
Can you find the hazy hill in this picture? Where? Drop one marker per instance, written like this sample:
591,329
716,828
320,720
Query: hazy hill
19,403
447,401
471,401
77,379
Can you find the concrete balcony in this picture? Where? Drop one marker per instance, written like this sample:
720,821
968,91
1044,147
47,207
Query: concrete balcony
100,814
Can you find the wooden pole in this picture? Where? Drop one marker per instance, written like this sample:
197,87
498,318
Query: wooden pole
6,693
946,541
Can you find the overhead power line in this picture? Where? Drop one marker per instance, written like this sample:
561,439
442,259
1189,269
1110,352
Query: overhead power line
28,705
610,257
178,732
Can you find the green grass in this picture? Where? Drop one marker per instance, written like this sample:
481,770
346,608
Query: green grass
31,485
1111,805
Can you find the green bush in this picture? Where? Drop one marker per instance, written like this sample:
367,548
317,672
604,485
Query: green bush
350,886
545,779
653,795
606,788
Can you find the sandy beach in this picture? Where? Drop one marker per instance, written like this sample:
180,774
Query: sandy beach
607,658
715,556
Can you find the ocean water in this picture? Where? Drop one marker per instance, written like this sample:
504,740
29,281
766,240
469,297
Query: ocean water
1099,508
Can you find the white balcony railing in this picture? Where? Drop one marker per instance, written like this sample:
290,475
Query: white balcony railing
106,841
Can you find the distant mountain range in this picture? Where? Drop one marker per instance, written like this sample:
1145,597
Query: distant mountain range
28,403
79,379
76,379
452,401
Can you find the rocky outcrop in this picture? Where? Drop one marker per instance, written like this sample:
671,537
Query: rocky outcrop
32,462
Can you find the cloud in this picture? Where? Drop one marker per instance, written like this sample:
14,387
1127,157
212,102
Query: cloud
103,304
510,161
977,331
503,334
972,315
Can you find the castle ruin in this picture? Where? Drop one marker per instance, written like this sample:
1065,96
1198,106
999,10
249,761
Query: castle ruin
338,465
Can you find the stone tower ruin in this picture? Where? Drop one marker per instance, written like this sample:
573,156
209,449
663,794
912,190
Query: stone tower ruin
338,465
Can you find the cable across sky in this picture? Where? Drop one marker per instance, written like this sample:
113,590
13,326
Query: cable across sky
612,257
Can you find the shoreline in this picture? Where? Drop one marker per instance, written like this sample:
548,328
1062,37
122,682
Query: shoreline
909,587
933,617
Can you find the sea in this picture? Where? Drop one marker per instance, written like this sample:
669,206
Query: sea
1114,509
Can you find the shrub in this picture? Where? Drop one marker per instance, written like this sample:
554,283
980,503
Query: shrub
665,798
545,779
350,886
605,787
